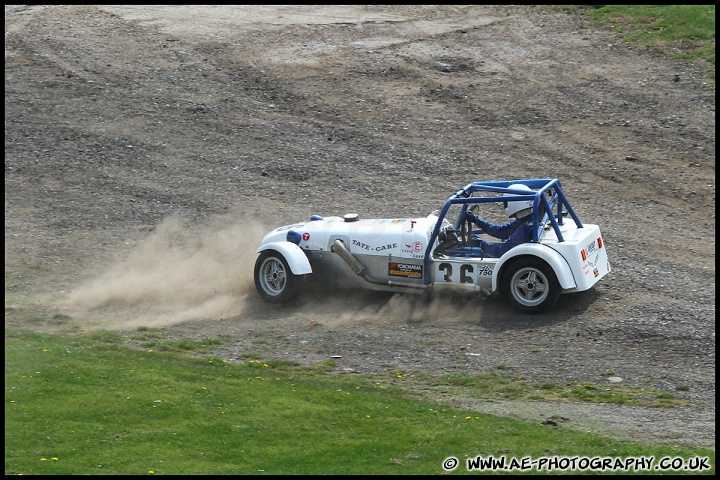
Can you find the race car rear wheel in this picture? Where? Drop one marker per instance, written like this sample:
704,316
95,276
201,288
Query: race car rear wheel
530,285
274,280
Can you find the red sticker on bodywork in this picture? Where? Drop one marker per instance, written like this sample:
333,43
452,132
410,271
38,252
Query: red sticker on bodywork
306,236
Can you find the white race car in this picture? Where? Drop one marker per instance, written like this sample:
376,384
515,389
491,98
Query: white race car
429,254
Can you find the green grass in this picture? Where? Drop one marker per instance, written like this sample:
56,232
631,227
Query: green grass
491,385
105,403
684,32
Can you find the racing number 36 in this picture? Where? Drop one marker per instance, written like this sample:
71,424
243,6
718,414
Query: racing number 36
465,271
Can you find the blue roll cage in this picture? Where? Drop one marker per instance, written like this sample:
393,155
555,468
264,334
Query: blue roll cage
547,193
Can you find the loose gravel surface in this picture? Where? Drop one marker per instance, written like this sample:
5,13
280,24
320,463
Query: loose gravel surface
148,148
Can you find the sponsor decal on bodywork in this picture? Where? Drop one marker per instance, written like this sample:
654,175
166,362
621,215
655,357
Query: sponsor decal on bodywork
415,247
373,248
594,262
382,221
591,247
414,250
407,270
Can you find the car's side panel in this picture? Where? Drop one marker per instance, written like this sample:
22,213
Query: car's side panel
296,258
454,271
383,268
387,273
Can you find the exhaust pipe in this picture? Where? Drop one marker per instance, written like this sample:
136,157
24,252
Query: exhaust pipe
467,288
341,249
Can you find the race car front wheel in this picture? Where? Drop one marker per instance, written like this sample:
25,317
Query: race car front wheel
530,285
274,280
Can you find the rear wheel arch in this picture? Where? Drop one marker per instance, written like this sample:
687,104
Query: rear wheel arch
530,284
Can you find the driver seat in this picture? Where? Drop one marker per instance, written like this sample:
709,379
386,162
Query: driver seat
448,240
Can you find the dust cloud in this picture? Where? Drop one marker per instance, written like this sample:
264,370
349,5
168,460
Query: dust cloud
362,307
184,273
178,274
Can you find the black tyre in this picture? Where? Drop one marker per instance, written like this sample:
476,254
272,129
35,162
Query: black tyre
530,285
274,280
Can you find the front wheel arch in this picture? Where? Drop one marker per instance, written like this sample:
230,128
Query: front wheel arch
529,284
274,280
